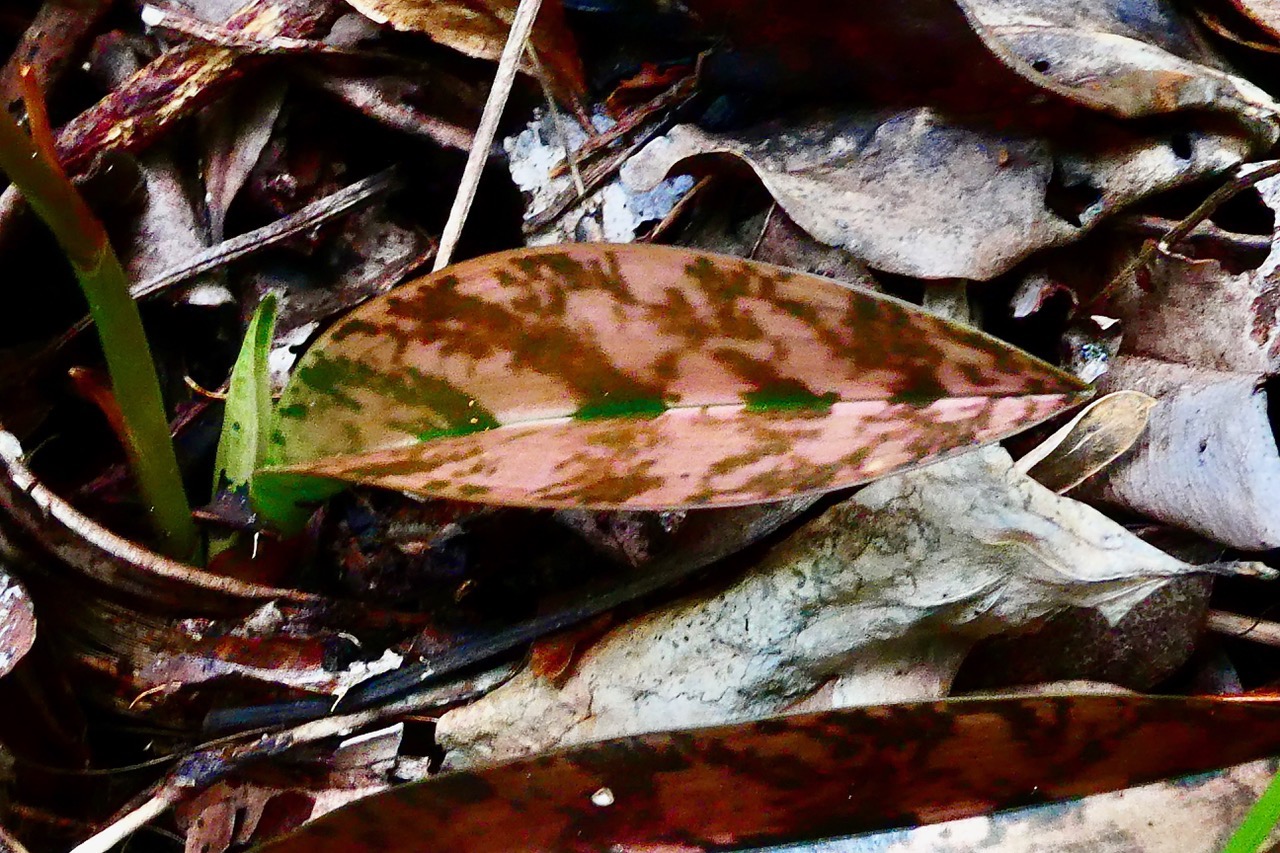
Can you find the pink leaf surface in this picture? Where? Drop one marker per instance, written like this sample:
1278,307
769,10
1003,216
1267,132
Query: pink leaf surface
645,377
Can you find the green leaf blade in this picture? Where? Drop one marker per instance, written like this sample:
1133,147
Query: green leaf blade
242,446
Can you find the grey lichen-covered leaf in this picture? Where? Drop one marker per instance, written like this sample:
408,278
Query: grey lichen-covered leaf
913,194
916,565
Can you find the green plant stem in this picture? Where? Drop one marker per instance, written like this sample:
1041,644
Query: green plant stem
115,315
1258,823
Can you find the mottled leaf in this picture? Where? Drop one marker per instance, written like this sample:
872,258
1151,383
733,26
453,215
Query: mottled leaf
641,377
805,776
1095,438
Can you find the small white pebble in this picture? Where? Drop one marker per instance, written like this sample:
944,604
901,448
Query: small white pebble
602,797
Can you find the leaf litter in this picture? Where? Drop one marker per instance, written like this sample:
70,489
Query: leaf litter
529,495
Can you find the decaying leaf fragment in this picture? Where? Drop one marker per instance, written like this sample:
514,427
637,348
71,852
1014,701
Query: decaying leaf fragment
642,377
17,622
479,28
849,610
915,194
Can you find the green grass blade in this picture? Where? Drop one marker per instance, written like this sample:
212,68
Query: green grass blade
124,343
1258,823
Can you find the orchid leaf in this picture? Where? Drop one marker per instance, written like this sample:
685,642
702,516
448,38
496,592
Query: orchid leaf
243,444
641,377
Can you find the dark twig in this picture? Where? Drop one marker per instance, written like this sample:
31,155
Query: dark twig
1204,233
1239,182
318,212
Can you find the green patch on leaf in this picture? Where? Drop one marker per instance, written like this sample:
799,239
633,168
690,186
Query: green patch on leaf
788,397
288,500
536,377
621,407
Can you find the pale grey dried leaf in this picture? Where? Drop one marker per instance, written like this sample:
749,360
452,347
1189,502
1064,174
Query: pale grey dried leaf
914,195
1208,460
917,564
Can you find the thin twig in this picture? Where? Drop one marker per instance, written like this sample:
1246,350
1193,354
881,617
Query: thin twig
1239,183
1243,627
1204,233
316,213
557,123
103,841
206,766
493,107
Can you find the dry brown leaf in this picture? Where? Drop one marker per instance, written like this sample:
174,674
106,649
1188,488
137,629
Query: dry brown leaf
1202,314
479,28
1203,338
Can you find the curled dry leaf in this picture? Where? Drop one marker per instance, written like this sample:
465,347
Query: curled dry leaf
1208,460
1264,13
904,576
1127,59
1095,438
479,28
806,776
915,194
640,377
17,622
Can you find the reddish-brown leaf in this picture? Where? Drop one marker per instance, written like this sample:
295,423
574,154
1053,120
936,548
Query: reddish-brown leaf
806,776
